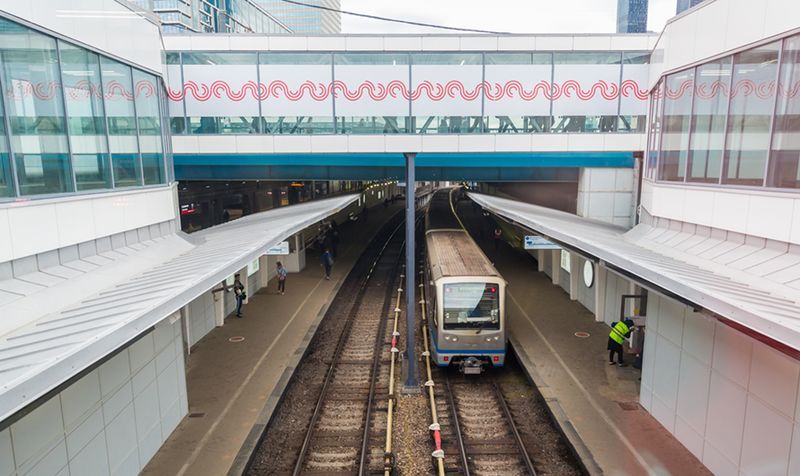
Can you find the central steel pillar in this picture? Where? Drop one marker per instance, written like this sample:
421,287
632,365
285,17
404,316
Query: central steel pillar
411,382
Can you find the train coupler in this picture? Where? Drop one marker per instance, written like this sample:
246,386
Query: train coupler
389,464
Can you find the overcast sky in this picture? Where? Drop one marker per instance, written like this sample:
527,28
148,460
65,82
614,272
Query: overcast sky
516,16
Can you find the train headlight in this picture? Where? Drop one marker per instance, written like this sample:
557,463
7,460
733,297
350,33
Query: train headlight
446,337
496,338
488,339
455,339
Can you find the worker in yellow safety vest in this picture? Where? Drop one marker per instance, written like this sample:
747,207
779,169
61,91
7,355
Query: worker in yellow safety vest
619,332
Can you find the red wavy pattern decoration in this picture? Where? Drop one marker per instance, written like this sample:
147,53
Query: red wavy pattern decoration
82,89
433,91
746,87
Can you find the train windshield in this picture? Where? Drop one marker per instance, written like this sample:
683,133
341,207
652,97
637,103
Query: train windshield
472,306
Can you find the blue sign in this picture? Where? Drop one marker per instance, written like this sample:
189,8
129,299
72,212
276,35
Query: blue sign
536,242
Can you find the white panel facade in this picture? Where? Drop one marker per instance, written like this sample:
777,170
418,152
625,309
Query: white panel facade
728,398
585,90
606,194
112,420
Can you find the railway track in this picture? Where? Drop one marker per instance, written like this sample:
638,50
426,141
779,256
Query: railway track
344,436
487,437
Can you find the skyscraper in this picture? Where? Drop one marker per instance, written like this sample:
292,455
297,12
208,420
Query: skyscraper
685,5
304,20
213,16
631,16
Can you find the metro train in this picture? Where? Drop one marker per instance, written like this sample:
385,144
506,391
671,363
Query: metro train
466,294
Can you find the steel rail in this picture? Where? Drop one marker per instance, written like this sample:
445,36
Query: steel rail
376,361
459,437
438,453
388,455
513,426
337,354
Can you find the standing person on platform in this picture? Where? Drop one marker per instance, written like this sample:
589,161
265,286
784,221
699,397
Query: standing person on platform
619,332
326,260
238,291
498,234
281,272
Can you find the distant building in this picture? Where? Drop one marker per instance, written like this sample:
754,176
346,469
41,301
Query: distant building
213,16
685,5
304,20
631,16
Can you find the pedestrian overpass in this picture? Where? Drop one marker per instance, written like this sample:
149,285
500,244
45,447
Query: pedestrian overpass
480,107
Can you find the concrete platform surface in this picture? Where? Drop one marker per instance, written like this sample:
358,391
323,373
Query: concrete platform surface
229,383
599,401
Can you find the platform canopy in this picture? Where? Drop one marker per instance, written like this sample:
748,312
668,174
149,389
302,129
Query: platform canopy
752,285
62,319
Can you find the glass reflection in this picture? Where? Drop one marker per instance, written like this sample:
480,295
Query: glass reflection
784,170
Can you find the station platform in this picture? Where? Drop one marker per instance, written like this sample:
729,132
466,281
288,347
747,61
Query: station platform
234,386
597,404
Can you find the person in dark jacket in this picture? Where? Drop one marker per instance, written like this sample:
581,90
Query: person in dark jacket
619,332
326,260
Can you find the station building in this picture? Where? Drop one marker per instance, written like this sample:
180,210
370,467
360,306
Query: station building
661,163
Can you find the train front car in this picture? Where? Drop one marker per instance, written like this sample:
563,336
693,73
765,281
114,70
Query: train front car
467,311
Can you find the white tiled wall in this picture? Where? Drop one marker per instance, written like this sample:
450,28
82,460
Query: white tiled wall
731,400
758,213
111,421
606,194
44,225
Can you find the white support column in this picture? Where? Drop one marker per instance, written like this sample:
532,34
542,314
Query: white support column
219,306
244,279
540,260
556,257
600,275
263,270
574,273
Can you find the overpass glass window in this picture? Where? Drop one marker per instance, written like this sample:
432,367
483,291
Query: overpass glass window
6,180
517,99
220,93
446,93
784,162
371,93
35,110
296,98
83,91
675,128
122,134
148,114
633,92
751,109
586,92
711,92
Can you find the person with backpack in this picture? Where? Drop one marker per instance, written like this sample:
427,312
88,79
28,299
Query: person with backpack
238,291
326,260
281,272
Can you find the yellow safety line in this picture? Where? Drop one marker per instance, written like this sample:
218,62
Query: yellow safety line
388,462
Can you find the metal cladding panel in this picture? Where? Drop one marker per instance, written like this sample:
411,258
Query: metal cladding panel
709,273
125,300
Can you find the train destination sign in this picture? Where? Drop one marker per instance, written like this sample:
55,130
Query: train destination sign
536,242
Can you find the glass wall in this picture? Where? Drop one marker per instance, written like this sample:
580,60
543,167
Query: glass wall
784,166
732,121
401,93
68,122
